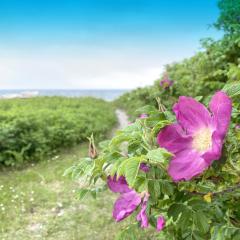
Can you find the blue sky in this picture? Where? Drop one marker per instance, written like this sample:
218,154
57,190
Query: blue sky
98,43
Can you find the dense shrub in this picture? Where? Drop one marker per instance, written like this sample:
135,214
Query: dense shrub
33,128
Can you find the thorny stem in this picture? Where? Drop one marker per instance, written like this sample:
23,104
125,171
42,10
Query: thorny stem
227,190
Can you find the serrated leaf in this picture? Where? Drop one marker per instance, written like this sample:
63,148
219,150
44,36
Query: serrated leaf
82,193
131,170
175,210
201,221
104,144
166,187
159,125
118,139
115,166
159,155
185,219
146,109
232,89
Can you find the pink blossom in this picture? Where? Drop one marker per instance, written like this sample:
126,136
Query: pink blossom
144,167
166,82
237,127
142,216
128,201
143,115
118,185
125,205
197,138
160,223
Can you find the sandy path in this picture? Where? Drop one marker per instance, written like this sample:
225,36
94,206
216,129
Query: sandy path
122,118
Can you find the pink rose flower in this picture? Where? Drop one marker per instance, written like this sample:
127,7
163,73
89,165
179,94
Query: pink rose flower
143,115
166,82
197,138
144,167
160,223
125,205
128,201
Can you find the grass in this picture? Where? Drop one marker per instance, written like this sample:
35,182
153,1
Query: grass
38,202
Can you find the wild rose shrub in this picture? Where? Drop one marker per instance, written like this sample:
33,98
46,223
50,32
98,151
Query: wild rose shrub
186,188
31,129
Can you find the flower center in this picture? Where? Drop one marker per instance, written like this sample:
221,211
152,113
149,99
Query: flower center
202,140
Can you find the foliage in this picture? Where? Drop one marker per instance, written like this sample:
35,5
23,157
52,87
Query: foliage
33,128
204,208
38,202
229,19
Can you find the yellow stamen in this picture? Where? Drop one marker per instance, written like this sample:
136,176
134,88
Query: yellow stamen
202,140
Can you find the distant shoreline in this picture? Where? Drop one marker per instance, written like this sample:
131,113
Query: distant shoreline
106,94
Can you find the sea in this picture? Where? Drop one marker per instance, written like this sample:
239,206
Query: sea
106,94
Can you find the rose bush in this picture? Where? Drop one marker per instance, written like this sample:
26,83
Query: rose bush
178,173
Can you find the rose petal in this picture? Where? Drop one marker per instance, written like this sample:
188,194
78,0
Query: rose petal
118,185
186,164
191,114
143,115
160,223
144,167
216,150
173,139
142,215
221,107
125,205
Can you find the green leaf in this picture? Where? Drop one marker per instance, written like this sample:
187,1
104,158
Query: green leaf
185,219
131,170
146,109
82,193
159,125
198,98
232,89
104,144
201,221
159,155
118,139
166,187
176,209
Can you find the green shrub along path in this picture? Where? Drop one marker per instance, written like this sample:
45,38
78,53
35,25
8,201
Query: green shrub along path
31,129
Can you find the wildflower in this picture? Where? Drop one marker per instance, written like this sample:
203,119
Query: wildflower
237,127
166,82
143,115
125,205
142,216
128,201
144,167
118,185
160,223
197,138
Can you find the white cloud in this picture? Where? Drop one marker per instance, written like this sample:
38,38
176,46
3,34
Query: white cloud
75,67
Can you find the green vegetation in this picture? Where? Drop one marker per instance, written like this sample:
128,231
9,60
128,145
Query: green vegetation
31,129
40,203
202,74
